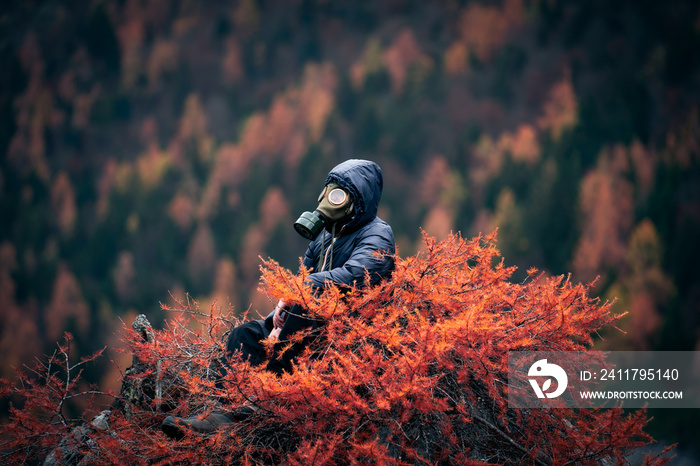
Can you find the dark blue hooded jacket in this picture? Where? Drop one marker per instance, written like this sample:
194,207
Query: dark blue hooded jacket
355,246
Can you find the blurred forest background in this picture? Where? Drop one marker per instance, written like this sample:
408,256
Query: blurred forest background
152,147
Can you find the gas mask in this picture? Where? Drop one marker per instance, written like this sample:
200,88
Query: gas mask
334,206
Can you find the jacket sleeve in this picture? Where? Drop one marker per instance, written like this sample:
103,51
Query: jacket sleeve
363,259
308,260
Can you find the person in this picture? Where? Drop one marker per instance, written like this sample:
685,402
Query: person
348,241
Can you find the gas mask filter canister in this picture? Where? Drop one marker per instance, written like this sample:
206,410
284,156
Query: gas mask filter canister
334,205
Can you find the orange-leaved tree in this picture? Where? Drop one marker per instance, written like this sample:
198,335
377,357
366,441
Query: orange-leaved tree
413,370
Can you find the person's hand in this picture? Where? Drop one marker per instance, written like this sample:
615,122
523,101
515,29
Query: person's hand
280,315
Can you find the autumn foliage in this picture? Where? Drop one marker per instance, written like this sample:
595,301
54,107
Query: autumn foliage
411,371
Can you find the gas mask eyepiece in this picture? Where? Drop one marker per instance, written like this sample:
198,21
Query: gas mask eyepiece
336,196
334,205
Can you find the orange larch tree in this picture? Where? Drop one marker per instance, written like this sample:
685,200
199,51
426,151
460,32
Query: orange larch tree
413,370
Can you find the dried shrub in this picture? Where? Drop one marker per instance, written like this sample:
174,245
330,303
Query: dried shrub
410,371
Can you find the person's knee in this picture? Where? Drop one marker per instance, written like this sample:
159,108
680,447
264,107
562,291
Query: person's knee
236,339
245,342
250,331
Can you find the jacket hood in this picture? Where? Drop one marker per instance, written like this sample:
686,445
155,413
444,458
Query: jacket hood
363,180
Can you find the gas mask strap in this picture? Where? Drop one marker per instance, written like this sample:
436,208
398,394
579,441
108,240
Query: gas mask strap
321,261
329,251
330,265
